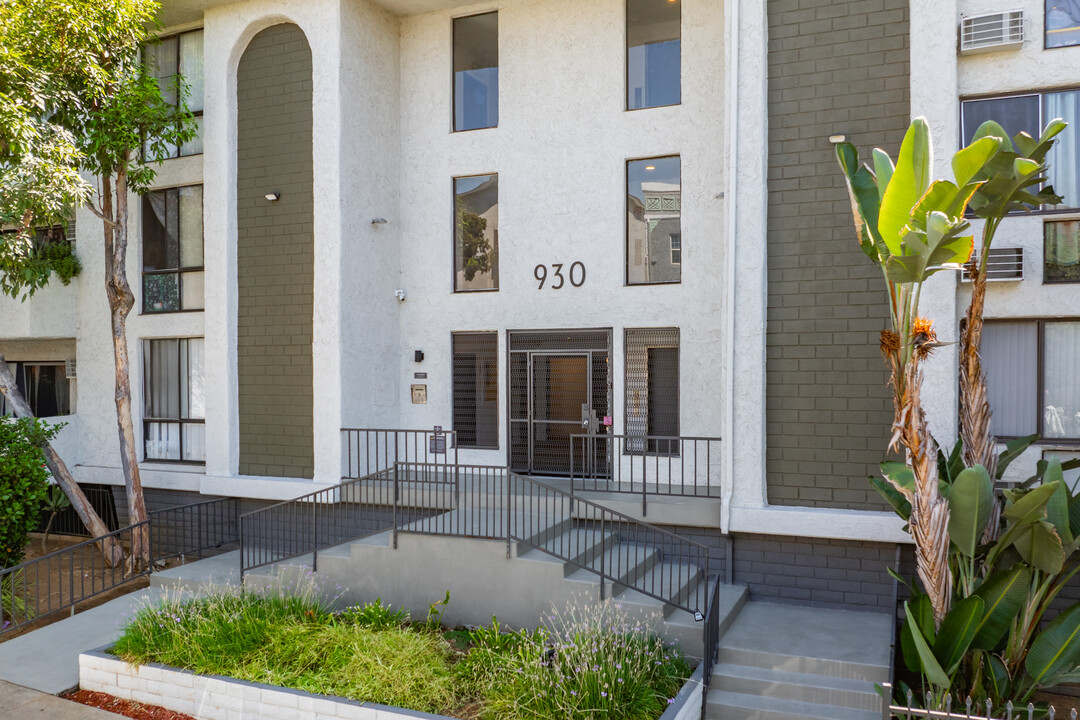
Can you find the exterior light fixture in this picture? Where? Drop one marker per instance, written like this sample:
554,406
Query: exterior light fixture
837,139
650,167
273,197
400,295
379,221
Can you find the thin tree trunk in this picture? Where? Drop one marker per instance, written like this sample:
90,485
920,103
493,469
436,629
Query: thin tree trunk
974,402
121,301
110,548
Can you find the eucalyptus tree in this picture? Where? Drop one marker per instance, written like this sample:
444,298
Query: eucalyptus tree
77,100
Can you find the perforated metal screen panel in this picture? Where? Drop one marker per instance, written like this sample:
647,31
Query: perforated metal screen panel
560,382
652,389
476,389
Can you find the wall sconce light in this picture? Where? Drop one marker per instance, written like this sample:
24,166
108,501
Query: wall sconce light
837,139
418,356
379,221
400,295
272,197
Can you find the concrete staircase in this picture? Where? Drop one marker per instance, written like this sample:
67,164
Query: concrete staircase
554,567
786,662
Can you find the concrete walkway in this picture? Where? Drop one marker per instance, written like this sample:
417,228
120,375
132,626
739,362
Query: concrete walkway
47,659
22,703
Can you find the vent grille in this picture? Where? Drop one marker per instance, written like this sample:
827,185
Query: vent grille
1002,264
70,368
992,32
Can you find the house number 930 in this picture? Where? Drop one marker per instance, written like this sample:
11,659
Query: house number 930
576,273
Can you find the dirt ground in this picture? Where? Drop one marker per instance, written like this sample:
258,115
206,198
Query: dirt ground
55,581
134,710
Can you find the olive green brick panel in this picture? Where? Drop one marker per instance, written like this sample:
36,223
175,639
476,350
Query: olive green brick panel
275,254
835,67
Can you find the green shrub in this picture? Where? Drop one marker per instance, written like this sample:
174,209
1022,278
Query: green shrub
375,615
24,482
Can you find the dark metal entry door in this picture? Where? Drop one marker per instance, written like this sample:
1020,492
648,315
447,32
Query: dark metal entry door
560,391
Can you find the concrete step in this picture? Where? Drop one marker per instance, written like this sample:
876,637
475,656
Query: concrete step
677,581
579,546
725,705
627,562
816,689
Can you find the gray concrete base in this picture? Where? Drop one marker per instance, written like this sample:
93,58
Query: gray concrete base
23,703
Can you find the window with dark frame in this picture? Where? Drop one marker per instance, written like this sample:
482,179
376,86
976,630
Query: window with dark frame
653,53
174,400
654,220
652,390
172,239
1030,112
44,385
181,55
476,233
1061,251
476,389
1032,370
1062,23
476,71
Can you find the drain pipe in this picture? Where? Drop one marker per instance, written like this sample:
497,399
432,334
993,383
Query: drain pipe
731,210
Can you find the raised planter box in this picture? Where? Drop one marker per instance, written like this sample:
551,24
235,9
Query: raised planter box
212,697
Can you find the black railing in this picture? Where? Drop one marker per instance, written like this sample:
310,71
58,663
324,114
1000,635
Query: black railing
646,465
64,578
196,530
711,646
68,522
367,450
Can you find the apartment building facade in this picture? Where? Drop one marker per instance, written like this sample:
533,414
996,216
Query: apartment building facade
522,219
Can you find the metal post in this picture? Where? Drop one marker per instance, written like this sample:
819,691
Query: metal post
603,556
314,534
240,528
395,505
507,501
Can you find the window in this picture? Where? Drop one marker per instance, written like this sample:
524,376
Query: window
652,390
180,55
1061,252
476,72
174,400
1062,23
173,250
44,385
1033,377
476,233
476,389
653,53
653,221
1030,113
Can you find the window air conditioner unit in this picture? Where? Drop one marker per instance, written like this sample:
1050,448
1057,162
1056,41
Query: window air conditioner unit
1002,265
69,368
991,32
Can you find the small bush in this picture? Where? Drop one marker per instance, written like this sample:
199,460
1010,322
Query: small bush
375,615
24,482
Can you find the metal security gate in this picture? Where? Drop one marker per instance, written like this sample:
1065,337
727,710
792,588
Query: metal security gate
560,386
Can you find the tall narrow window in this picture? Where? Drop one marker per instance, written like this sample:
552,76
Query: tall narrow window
1061,391
476,389
652,390
173,250
1062,23
476,71
476,233
653,53
1064,157
180,55
654,246
174,400
1061,252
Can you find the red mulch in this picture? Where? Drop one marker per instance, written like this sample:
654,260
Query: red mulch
127,708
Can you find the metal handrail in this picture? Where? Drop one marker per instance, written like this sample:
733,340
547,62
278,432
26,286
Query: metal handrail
371,450
645,465
711,646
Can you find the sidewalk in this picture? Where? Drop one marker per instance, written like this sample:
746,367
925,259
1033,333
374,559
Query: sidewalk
22,703
47,659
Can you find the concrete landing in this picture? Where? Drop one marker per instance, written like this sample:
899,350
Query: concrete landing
23,703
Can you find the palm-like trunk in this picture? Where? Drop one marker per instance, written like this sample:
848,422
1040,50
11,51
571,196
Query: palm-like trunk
974,403
110,548
121,301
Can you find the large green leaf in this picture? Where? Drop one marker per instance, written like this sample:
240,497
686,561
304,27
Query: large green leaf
1031,506
928,663
863,194
1057,507
923,613
969,161
997,675
970,504
1040,545
1056,650
991,128
883,171
1004,594
909,182
1013,449
894,497
957,631
900,475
